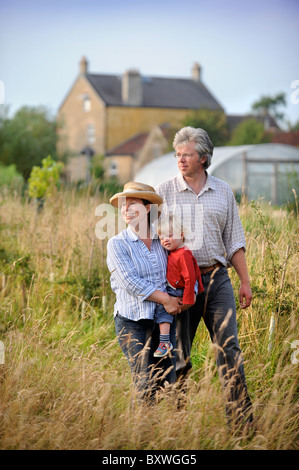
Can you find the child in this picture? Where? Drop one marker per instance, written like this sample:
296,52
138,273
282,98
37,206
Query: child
183,277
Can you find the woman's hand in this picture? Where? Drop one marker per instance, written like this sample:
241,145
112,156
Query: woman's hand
172,305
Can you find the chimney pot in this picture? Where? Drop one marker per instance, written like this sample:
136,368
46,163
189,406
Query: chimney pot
83,66
196,72
132,88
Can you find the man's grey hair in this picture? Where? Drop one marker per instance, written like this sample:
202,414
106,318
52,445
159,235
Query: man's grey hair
203,144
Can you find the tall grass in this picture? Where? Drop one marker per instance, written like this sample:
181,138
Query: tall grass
65,384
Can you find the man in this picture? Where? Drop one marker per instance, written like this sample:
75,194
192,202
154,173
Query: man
207,205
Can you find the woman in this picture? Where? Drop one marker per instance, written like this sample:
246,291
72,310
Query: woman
137,263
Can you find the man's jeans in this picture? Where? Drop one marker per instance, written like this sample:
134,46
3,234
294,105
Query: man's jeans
138,341
216,305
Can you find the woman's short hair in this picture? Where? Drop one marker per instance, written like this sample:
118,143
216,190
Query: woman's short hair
203,144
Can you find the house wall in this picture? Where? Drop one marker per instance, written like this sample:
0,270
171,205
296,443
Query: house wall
75,121
124,167
78,169
124,122
155,146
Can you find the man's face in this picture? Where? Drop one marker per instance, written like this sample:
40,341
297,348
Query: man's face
189,162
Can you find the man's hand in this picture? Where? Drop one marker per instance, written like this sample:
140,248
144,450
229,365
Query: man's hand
245,295
185,306
239,263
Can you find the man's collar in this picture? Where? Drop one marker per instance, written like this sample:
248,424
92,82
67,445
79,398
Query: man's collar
210,183
183,185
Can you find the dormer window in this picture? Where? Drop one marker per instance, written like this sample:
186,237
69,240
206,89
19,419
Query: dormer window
86,103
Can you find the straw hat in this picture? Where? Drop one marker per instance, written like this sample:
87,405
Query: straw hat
138,190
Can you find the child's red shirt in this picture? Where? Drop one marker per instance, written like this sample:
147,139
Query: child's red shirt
183,272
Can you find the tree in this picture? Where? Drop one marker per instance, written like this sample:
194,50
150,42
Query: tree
27,138
213,122
249,132
293,127
44,179
269,105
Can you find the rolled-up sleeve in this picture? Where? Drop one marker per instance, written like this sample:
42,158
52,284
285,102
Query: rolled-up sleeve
233,234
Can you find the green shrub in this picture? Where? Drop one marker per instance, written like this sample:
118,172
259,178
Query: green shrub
44,179
10,178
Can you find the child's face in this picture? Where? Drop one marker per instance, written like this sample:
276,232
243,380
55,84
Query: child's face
169,242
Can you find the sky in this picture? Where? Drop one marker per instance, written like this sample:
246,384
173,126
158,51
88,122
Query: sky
247,49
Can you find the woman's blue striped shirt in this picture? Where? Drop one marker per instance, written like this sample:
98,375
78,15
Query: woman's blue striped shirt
136,273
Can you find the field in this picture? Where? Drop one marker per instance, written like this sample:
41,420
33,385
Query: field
64,383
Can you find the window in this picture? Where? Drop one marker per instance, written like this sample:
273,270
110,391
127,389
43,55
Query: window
90,134
113,171
86,103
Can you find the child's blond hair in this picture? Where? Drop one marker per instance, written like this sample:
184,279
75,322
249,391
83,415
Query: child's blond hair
171,224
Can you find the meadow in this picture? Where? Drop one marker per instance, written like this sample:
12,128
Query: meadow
64,383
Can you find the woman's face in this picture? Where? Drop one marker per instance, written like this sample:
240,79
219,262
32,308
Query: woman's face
134,212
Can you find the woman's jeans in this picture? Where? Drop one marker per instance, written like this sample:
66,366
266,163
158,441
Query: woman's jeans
216,305
161,316
138,341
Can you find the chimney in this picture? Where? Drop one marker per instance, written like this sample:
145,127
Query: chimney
196,72
83,66
132,88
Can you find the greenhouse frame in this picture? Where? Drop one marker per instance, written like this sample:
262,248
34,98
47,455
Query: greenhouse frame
263,171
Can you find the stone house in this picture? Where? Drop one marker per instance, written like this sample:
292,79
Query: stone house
127,118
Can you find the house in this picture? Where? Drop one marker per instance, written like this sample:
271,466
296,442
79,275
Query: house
125,117
126,159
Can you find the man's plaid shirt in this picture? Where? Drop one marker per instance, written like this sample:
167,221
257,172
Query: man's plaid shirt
211,218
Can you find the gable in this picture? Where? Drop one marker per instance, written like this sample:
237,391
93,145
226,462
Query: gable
130,146
78,83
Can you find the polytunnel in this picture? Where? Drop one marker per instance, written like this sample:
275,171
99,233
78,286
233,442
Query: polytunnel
268,171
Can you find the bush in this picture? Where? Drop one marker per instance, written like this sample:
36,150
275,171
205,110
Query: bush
10,179
43,179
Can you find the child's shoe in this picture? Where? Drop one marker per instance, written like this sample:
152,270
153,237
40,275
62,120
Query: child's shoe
163,349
